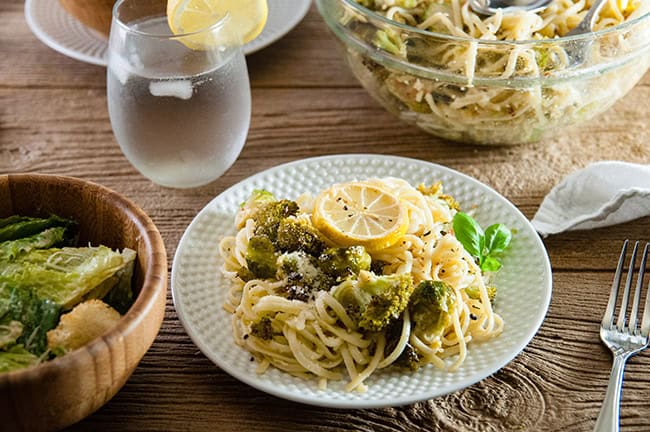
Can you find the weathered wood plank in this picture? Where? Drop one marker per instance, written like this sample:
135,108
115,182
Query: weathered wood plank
293,123
290,62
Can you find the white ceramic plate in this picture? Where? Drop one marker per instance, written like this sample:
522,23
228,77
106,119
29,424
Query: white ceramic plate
63,33
199,290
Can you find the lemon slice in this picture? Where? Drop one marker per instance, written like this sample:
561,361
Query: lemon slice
247,18
357,213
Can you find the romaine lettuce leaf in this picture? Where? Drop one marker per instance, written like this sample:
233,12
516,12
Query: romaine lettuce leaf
17,357
15,227
48,238
9,333
66,276
36,315
120,297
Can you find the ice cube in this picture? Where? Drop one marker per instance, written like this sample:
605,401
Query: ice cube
181,89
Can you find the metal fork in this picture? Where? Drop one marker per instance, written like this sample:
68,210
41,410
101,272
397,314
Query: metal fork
623,339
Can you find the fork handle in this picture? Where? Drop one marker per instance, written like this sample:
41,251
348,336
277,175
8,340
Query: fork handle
609,417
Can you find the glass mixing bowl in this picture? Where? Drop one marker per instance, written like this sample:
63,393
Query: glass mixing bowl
489,92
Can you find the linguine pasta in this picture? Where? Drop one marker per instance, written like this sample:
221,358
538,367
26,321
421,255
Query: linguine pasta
315,336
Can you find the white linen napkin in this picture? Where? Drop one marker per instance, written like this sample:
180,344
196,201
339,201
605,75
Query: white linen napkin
602,194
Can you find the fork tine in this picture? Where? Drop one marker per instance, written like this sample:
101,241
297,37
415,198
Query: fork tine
645,322
620,324
609,312
637,291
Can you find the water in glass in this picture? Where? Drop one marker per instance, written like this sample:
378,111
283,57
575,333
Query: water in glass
180,115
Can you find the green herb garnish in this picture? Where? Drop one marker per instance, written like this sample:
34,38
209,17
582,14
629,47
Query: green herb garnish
486,246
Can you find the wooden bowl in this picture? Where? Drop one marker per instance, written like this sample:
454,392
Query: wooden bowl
95,14
63,391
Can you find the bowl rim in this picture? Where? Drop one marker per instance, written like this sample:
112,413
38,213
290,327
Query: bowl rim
560,76
537,42
154,283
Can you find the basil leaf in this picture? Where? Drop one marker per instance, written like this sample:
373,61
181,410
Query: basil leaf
490,264
469,234
497,238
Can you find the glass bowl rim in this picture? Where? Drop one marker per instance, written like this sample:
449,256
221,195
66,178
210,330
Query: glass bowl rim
580,37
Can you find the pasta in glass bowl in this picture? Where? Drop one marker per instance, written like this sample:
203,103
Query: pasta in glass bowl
510,78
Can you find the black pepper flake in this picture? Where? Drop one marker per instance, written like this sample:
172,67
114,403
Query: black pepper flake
473,317
443,271
426,234
252,358
390,220
443,233
350,215
245,336
345,208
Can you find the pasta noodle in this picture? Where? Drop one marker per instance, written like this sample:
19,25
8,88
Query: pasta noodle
486,91
318,337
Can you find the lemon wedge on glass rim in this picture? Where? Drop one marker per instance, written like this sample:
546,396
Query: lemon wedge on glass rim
247,19
358,213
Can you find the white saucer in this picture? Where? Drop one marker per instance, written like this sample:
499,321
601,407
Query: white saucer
61,32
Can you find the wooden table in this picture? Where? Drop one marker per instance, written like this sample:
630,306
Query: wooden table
53,119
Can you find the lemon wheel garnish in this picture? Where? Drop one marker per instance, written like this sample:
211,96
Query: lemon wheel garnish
247,18
360,214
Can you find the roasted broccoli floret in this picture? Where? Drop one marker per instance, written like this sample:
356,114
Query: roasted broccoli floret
473,292
244,274
430,307
343,262
249,208
302,275
377,267
260,258
263,328
257,199
374,301
268,217
409,357
297,235
436,191
432,189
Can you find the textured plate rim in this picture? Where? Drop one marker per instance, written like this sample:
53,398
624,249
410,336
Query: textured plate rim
37,29
42,35
295,19
251,380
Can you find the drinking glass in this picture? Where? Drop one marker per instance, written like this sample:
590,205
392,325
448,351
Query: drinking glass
179,104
